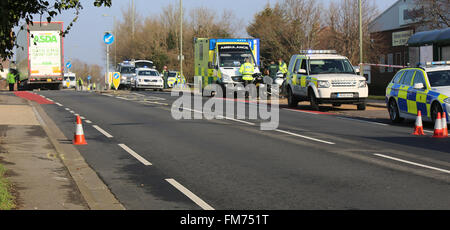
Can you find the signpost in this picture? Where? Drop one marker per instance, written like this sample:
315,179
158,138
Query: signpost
116,80
108,39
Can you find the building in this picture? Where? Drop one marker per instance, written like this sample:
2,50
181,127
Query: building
391,31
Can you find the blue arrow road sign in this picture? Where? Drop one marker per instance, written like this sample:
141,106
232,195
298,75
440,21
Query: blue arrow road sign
116,76
108,38
68,65
89,77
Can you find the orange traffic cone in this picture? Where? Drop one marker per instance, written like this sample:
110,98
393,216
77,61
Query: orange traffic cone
79,134
418,130
444,126
438,127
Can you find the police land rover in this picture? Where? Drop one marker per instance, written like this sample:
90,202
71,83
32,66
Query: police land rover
323,77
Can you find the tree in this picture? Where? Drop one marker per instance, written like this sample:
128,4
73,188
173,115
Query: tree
14,12
286,28
433,14
342,32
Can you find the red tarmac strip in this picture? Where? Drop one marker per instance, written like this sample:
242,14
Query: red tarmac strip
34,97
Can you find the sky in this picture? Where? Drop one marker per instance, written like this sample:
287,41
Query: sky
84,41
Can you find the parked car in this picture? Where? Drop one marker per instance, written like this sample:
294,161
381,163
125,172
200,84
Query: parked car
147,78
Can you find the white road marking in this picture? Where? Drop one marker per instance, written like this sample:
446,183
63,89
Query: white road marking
302,111
190,195
72,112
67,109
412,163
83,118
88,121
59,104
76,114
135,155
102,131
363,121
123,98
222,117
305,137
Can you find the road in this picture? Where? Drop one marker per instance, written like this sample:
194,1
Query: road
312,161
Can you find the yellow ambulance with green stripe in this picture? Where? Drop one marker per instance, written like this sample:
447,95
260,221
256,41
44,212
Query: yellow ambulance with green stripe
425,88
324,77
217,61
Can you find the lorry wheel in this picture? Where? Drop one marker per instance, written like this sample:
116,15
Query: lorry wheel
362,106
292,101
313,100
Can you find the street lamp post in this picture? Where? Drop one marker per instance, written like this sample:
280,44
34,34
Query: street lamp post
361,68
181,37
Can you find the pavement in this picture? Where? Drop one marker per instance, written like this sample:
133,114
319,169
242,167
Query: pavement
39,163
314,160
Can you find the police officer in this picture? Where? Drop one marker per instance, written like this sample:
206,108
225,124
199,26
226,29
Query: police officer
94,87
273,70
247,70
165,74
282,67
80,84
11,79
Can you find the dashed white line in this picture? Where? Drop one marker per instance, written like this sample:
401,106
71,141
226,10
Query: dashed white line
72,112
102,131
413,163
305,137
83,118
223,117
59,104
88,121
190,195
67,109
135,155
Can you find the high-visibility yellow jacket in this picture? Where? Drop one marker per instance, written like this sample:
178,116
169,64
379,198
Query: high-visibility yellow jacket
247,70
283,67
11,78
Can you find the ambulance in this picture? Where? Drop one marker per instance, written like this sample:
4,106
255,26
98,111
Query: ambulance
217,61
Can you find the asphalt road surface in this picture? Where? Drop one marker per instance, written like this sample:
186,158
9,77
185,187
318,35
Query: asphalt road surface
312,161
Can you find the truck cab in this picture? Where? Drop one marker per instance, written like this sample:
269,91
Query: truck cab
217,61
323,77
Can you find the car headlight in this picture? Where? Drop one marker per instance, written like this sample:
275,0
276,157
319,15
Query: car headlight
323,84
447,100
226,78
362,84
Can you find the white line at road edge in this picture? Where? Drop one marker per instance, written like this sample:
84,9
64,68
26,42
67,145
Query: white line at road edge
135,155
305,137
363,121
102,131
412,163
190,195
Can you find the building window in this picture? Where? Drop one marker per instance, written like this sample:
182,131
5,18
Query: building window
390,62
382,61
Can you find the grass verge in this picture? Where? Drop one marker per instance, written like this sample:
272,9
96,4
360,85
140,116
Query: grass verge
382,98
6,199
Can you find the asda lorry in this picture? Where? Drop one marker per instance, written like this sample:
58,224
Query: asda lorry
217,61
40,62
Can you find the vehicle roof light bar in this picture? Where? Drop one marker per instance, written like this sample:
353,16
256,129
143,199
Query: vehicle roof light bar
318,52
438,63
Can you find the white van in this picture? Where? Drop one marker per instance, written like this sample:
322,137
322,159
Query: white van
69,81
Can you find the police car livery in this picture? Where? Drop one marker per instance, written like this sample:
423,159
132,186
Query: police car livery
322,77
425,89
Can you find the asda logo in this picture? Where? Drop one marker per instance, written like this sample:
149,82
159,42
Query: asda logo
45,39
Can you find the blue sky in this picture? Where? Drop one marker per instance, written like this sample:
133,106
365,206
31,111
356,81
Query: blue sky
84,41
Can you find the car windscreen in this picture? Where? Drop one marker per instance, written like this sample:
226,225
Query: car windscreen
439,78
172,74
148,73
127,70
331,66
72,78
234,55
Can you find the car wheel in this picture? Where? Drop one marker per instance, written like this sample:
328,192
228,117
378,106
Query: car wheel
313,100
435,109
292,101
394,112
362,106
